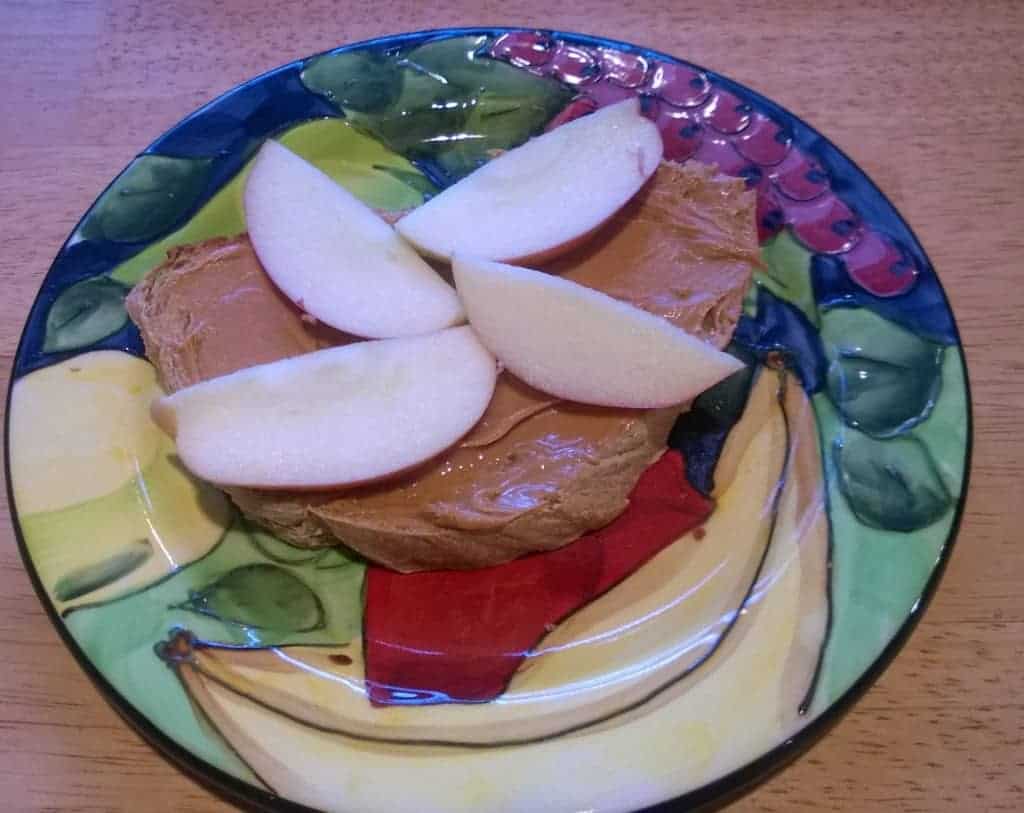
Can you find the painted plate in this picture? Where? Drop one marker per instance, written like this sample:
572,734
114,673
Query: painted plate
766,569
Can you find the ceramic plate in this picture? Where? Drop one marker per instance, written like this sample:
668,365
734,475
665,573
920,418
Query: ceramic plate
764,572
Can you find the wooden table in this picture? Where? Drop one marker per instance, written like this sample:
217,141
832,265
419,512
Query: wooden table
927,97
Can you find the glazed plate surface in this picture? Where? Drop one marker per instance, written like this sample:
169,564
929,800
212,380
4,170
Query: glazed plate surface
766,570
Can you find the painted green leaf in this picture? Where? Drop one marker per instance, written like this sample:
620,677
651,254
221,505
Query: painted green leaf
263,596
355,160
878,575
891,484
883,379
504,105
787,273
366,81
414,180
862,332
459,61
147,199
455,106
92,577
85,313
422,120
183,600
883,399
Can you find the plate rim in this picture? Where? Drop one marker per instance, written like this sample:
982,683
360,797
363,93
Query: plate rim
714,794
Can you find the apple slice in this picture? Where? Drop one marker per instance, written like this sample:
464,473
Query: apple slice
582,345
337,259
336,417
541,199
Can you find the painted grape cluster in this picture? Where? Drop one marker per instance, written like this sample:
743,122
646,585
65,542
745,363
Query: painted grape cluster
700,121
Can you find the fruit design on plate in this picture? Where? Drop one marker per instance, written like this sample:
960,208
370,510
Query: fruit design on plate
760,566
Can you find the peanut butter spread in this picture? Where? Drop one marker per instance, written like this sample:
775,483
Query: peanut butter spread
535,473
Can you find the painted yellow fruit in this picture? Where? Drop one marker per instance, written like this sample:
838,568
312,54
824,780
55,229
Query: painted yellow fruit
81,429
103,501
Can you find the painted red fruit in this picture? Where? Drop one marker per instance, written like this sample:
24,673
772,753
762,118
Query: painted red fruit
726,113
678,85
800,178
440,636
681,132
771,216
763,142
573,66
721,152
627,70
605,92
825,224
524,49
879,267
580,106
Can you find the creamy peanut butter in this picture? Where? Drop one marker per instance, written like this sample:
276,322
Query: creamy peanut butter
535,473
211,309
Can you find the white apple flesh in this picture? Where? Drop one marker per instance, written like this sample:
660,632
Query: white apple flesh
335,257
336,417
540,199
579,344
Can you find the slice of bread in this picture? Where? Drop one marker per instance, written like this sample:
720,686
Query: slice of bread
535,474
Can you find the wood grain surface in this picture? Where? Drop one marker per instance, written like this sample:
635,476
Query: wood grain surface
928,97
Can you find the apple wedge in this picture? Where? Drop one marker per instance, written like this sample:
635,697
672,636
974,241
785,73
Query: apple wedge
335,257
539,200
582,345
341,416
